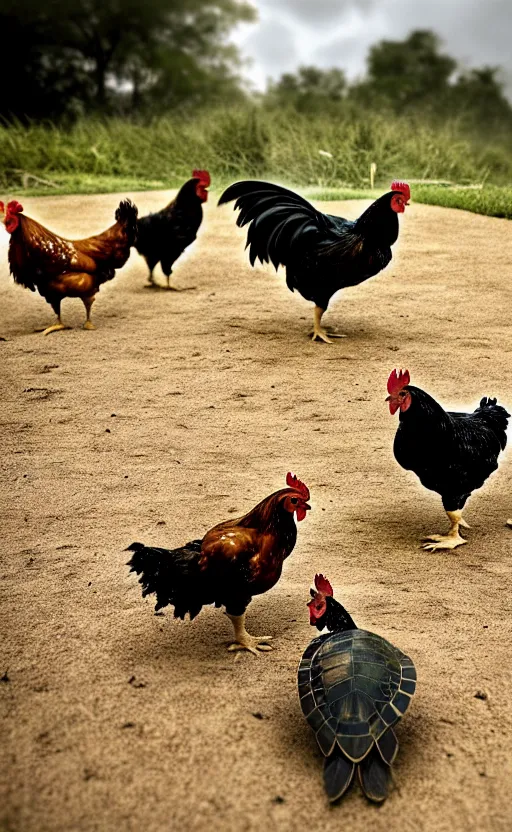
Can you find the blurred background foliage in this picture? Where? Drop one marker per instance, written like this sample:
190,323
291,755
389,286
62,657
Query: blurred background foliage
140,92
73,57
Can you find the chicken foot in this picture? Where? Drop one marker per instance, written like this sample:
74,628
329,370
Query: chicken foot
55,304
54,327
152,284
175,288
319,332
452,538
244,641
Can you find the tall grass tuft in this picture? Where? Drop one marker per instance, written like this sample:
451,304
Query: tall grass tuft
322,151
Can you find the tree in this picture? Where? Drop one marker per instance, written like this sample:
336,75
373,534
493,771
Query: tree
91,51
414,75
478,95
310,88
411,71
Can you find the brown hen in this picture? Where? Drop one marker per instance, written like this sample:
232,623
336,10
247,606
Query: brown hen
60,268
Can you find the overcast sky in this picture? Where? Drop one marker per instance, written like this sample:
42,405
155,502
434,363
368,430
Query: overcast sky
339,32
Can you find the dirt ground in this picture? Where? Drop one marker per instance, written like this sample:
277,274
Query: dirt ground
182,409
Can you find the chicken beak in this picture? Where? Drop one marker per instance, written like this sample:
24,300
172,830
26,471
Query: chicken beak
302,510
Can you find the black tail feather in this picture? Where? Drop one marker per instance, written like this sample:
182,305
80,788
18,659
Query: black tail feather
126,214
496,415
173,575
281,223
338,774
374,776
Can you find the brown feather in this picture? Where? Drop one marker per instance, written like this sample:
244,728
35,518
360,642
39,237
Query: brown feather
37,256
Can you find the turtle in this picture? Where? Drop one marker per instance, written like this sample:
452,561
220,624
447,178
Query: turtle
354,686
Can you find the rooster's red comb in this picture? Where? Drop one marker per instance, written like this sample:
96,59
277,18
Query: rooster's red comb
323,585
403,187
14,207
293,482
203,176
397,381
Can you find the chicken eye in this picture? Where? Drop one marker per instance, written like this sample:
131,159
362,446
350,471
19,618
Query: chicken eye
294,500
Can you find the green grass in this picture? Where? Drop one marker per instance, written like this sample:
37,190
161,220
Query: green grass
86,183
491,200
324,157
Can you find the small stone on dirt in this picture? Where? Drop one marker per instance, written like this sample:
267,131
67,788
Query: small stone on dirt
133,681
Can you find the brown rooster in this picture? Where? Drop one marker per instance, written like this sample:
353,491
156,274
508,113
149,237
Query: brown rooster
60,268
234,561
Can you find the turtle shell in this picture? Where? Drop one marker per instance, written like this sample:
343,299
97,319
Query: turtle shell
353,686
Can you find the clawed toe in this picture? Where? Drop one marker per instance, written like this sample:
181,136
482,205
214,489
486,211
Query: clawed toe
321,335
253,644
236,646
53,328
438,542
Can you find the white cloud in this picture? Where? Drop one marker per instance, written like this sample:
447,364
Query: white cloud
340,32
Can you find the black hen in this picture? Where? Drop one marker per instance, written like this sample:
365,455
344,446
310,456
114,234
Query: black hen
451,453
322,253
163,236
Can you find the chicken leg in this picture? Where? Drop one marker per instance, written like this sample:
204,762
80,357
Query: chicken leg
452,539
59,325
244,641
319,332
88,302
167,270
169,287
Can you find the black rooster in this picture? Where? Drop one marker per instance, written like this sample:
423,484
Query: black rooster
163,237
322,253
451,453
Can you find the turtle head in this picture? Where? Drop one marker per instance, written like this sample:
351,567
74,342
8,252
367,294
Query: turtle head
325,611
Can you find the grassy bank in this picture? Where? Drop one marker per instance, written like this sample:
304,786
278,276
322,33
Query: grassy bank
491,200
327,156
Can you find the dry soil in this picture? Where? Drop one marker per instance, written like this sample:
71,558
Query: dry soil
182,409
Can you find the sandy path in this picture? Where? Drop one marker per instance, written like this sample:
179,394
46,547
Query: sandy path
182,409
